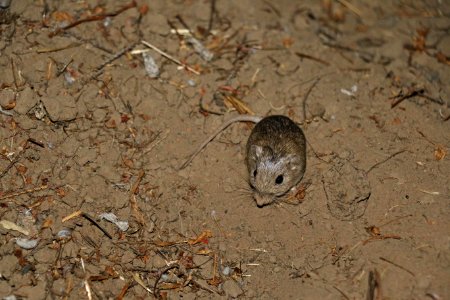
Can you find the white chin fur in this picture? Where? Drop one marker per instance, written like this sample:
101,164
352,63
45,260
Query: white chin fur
262,200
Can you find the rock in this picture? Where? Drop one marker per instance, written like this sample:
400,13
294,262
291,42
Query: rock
33,292
25,101
61,107
232,289
8,264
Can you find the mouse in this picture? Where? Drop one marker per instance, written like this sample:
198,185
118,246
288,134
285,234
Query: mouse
275,155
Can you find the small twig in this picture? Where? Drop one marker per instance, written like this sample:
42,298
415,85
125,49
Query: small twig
141,283
385,160
123,291
28,191
86,281
397,265
63,69
13,68
305,98
381,237
168,56
203,108
302,55
350,6
186,26
99,69
341,292
133,203
5,112
410,94
211,15
15,159
48,50
374,283
396,219
160,274
94,18
89,218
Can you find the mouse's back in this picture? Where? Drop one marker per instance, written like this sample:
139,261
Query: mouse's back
276,157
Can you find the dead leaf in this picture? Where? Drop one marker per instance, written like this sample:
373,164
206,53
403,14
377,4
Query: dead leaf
373,230
288,42
215,281
61,192
111,123
143,9
439,152
12,226
21,169
442,58
47,223
202,238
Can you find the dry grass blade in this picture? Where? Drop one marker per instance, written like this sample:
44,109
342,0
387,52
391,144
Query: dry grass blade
238,104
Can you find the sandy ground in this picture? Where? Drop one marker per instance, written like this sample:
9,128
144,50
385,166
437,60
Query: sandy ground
86,130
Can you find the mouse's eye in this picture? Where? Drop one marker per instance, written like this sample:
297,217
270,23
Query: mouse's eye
254,173
279,179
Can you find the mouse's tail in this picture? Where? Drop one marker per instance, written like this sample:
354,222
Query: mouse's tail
241,118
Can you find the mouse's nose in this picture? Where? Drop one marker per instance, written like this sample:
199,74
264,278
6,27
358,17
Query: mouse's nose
262,199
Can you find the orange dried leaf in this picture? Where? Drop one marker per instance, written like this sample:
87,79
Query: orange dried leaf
72,215
21,169
61,192
143,9
13,124
47,223
11,104
124,118
442,58
145,117
439,152
61,16
373,230
205,251
396,121
288,42
202,238
163,243
128,163
111,123
215,281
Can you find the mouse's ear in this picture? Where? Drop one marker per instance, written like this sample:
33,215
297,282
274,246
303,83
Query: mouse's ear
294,161
257,150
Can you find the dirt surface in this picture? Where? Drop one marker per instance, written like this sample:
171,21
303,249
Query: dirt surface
85,130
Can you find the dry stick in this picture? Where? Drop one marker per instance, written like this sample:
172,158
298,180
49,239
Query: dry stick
94,18
397,265
372,285
180,19
48,50
350,6
385,160
341,292
99,69
13,68
28,191
89,218
168,56
15,160
306,97
161,273
133,203
123,291
211,15
394,220
302,55
411,94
